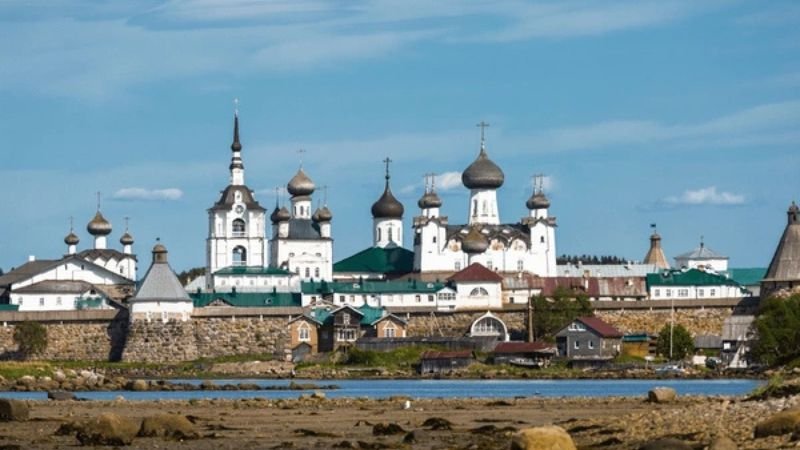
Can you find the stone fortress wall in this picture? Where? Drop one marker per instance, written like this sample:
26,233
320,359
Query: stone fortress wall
108,335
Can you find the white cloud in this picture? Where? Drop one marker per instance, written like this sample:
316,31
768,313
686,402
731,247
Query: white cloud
706,196
448,181
137,193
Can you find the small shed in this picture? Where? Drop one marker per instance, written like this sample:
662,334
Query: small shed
438,362
638,345
529,354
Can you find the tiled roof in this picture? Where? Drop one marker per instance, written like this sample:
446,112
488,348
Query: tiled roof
27,270
228,198
252,270
393,260
524,347
304,229
247,299
689,277
475,272
602,328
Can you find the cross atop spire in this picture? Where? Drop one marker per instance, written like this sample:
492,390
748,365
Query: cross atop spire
483,125
277,195
236,107
300,153
325,195
126,223
538,183
98,201
71,224
387,161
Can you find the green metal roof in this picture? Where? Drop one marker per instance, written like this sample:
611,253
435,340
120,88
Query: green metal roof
690,277
748,276
372,287
370,314
252,270
8,307
377,260
247,299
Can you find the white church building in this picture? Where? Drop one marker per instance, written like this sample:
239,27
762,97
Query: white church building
525,246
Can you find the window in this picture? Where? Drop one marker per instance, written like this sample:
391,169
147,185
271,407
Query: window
239,256
58,301
541,239
389,331
701,292
713,292
418,298
488,326
458,266
474,208
430,298
479,292
447,296
239,228
391,238
683,292
576,326
656,292
303,333
591,344
489,265
346,334
669,292
379,234
346,318
341,299
520,265
308,272
352,299
41,301
577,345
485,208
434,239
316,272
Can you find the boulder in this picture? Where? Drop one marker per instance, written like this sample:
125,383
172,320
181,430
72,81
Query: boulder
542,438
59,376
107,429
138,385
208,385
661,395
387,429
13,410
26,380
318,395
60,395
666,444
722,443
781,423
169,426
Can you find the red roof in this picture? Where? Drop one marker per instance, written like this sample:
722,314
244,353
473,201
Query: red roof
475,272
524,347
603,329
446,355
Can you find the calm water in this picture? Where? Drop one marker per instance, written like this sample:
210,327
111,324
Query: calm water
438,389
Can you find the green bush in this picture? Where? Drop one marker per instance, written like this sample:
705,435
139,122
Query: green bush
553,313
778,331
682,342
31,338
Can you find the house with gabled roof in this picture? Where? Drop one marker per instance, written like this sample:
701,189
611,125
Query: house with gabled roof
477,288
325,328
588,339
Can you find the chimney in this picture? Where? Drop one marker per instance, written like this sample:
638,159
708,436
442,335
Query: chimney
31,258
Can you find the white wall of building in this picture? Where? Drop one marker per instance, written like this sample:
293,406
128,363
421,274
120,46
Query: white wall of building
163,311
694,292
54,301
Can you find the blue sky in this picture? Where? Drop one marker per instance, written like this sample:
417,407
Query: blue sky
681,113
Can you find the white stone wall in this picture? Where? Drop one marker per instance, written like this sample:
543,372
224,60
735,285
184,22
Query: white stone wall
52,301
466,300
162,311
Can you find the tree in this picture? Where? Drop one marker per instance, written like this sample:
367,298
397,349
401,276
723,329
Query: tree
187,276
682,342
31,338
778,331
551,314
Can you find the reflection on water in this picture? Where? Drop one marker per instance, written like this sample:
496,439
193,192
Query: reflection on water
436,389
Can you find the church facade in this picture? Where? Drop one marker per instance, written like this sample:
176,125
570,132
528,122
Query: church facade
524,246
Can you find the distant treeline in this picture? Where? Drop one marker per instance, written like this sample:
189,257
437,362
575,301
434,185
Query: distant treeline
187,276
591,259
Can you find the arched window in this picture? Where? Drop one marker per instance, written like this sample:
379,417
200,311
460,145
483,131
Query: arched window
391,238
239,256
308,272
479,292
485,208
520,265
239,228
379,234
304,332
474,208
316,272
489,325
389,330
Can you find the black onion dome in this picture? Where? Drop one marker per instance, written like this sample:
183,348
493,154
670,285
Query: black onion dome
71,239
387,207
430,200
281,215
538,201
300,184
483,173
324,214
99,226
474,242
274,217
126,239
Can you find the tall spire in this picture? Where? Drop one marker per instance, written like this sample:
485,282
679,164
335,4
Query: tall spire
655,254
237,166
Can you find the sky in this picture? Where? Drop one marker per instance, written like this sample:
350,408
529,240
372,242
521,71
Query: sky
681,113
